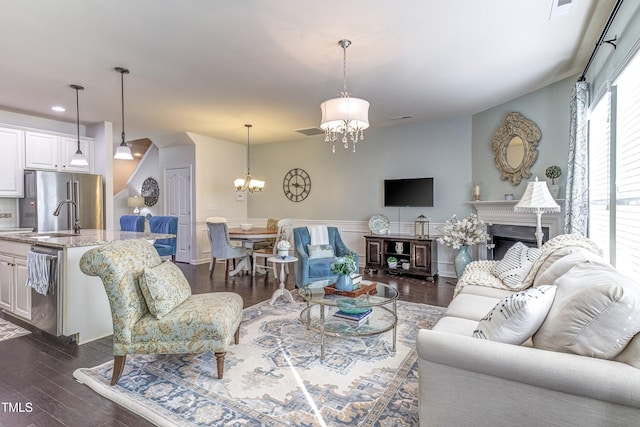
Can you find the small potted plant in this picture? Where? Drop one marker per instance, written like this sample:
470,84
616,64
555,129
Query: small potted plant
343,266
392,262
553,173
283,247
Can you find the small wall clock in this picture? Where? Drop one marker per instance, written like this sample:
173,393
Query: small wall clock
150,191
296,185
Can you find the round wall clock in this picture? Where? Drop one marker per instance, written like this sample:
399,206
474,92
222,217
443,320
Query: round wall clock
150,191
296,185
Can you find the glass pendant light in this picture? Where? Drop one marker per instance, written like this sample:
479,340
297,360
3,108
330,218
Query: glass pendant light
123,152
78,159
248,183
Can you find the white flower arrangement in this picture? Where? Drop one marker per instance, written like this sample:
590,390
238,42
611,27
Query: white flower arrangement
466,232
283,244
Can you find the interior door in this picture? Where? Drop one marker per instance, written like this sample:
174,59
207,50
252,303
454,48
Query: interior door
178,199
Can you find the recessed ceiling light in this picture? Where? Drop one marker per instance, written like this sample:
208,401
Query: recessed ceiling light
58,108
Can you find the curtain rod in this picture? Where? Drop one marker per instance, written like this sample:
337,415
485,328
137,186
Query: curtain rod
601,40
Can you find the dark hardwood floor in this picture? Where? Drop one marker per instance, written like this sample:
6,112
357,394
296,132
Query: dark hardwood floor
37,387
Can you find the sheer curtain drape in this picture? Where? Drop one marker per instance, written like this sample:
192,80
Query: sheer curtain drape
577,195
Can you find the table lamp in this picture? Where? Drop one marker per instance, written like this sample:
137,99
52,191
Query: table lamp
136,203
537,199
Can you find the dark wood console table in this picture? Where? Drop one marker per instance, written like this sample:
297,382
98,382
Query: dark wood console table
421,254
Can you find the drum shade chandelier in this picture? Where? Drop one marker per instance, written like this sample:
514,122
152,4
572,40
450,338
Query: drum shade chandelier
248,183
123,152
78,159
344,116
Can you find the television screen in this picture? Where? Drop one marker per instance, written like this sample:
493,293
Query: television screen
410,192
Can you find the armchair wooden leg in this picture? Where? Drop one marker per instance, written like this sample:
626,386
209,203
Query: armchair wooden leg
226,269
118,367
220,361
236,336
212,267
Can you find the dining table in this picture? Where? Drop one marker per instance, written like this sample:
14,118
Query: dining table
248,238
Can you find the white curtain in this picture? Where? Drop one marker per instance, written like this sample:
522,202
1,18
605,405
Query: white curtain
577,196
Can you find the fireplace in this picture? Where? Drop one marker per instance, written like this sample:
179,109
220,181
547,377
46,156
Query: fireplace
504,236
508,227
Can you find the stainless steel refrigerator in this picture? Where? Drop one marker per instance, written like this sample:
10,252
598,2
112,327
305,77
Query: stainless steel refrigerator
44,190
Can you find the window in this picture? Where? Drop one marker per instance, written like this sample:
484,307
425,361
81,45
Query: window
614,170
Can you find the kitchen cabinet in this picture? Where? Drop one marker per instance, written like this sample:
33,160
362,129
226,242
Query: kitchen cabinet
420,254
11,163
53,152
15,297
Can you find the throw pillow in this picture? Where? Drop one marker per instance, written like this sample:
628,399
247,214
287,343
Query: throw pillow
596,312
320,251
517,317
515,265
164,288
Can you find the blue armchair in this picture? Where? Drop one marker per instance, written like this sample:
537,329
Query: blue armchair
165,225
132,223
310,269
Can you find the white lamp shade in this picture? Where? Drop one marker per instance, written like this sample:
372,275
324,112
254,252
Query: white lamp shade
135,202
78,159
536,198
123,153
337,111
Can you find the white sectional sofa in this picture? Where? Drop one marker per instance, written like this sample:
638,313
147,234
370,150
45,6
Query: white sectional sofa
581,367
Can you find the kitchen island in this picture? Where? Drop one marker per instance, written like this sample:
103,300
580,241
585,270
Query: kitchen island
82,310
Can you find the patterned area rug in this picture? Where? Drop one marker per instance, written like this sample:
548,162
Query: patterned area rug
8,330
275,377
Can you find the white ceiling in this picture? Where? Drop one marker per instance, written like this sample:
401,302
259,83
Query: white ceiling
210,66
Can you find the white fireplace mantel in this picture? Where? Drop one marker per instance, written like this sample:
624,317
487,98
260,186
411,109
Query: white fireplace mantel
501,212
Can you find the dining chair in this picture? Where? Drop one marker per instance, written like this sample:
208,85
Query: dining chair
165,225
284,233
222,247
132,223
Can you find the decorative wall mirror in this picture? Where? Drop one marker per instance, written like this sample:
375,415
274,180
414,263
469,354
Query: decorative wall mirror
150,191
515,147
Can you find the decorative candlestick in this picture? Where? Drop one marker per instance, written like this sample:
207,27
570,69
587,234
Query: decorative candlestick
476,192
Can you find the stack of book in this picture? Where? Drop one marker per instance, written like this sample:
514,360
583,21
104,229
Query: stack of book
354,317
356,278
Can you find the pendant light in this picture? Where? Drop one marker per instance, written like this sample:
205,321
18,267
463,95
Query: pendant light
78,159
247,183
123,152
345,115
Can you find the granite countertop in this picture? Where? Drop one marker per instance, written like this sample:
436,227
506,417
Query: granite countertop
67,239
15,230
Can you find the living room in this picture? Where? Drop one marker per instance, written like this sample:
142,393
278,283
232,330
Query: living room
347,187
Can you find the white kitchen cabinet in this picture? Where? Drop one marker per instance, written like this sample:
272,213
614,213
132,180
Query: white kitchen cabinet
15,297
11,163
52,152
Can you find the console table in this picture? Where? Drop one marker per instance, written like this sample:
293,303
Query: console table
422,254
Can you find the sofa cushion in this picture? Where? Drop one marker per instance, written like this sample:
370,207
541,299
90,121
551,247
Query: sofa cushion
485,291
517,317
164,288
320,251
472,307
455,325
596,312
631,353
515,265
564,260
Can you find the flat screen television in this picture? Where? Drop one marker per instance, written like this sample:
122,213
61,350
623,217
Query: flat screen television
408,192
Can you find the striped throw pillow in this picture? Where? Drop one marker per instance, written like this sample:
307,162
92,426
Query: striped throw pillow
514,267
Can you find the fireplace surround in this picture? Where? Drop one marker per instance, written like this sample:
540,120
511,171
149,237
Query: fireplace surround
508,227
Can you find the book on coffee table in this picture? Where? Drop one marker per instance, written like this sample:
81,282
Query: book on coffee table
355,317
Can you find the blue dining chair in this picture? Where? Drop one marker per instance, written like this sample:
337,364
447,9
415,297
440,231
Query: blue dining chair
132,223
165,225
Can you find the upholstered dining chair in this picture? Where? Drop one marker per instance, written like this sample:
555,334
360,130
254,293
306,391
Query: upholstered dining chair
285,228
165,225
314,261
152,308
132,223
222,247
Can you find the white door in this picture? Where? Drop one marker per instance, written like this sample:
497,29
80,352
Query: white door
178,199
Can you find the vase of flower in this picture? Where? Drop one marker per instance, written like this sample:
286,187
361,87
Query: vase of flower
461,260
343,266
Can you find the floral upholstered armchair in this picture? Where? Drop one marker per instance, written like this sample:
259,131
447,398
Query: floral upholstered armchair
152,308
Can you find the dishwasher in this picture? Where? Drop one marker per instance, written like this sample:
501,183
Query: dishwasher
46,310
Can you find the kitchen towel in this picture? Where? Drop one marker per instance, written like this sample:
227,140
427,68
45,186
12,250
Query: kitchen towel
40,271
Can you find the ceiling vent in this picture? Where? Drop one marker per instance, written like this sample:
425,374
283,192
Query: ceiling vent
310,131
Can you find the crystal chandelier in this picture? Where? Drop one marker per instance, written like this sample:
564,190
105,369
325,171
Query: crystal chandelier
123,152
345,115
247,183
78,159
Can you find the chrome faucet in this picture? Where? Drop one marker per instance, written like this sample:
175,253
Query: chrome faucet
76,221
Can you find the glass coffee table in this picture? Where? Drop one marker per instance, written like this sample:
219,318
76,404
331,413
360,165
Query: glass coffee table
323,304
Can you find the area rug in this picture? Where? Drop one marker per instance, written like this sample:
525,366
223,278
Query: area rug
275,377
8,330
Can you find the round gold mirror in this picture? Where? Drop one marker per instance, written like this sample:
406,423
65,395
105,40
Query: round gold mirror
515,147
